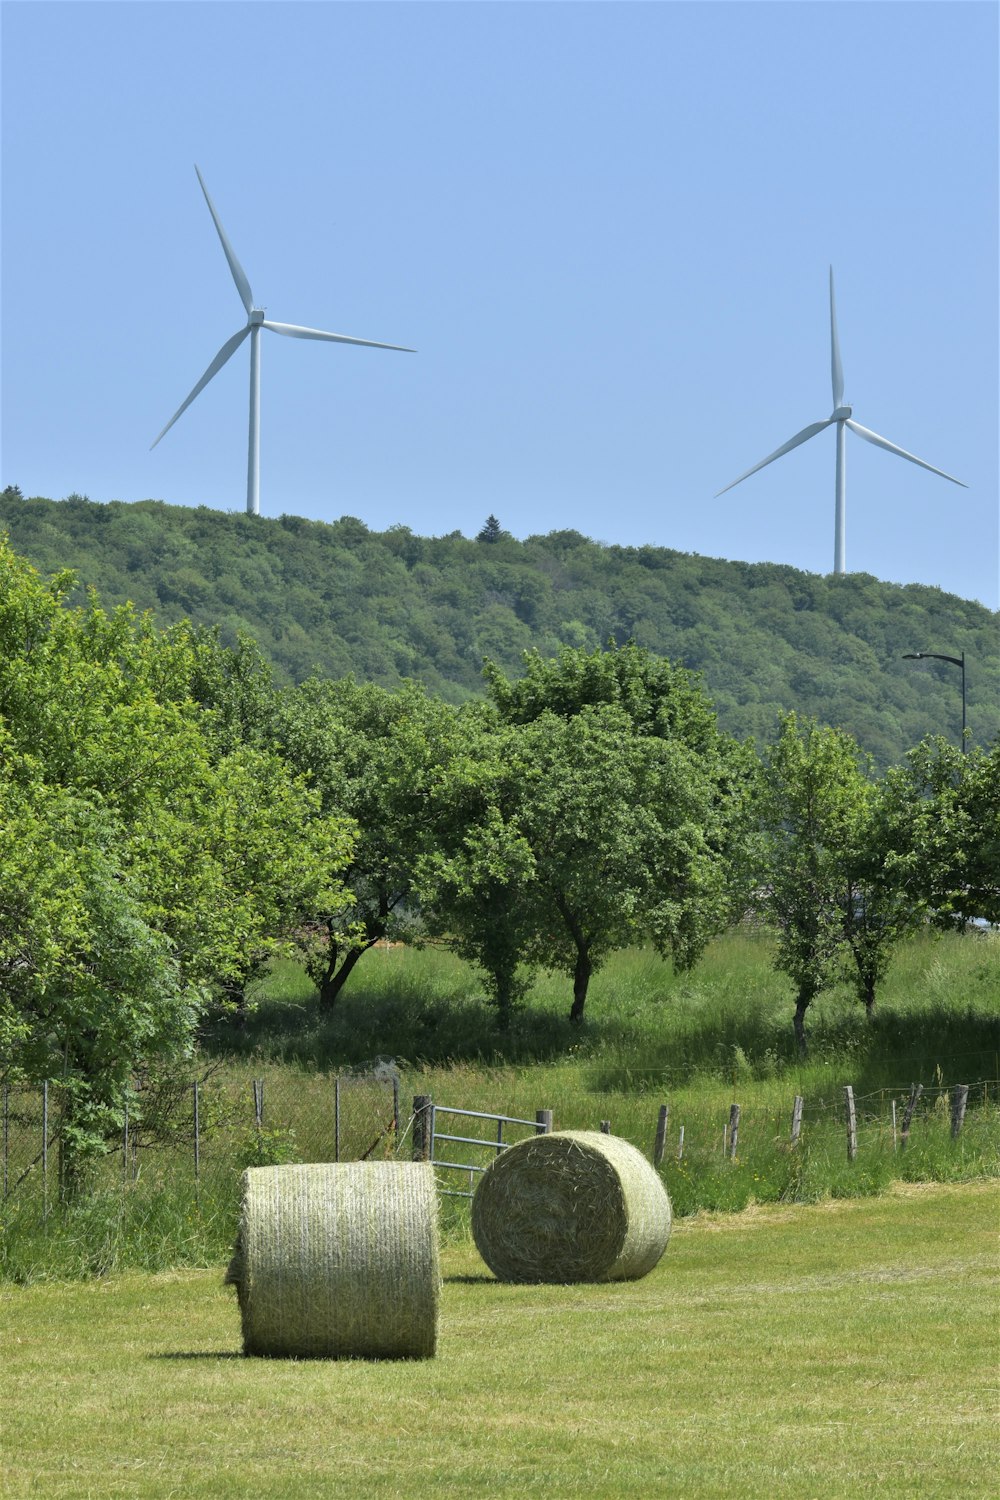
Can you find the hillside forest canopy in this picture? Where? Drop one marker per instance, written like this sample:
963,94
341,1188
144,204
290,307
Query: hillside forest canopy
172,819
330,600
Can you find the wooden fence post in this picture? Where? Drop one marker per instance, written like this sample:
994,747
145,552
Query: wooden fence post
852,1124
395,1109
797,1119
422,1106
916,1090
959,1098
734,1130
659,1144
605,1127
543,1121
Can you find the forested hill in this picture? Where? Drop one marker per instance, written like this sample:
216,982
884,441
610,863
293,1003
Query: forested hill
339,598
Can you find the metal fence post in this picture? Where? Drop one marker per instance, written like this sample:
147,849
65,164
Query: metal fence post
336,1118
6,1136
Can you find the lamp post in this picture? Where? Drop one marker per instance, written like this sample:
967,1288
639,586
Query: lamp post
956,661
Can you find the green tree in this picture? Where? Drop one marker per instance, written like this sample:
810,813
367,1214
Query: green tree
476,886
491,530
373,756
810,791
142,865
878,896
946,829
630,805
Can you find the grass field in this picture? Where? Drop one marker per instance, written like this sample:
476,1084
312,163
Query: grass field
848,1348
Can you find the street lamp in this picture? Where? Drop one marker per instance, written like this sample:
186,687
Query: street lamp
956,661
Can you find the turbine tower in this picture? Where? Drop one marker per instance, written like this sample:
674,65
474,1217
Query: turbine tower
842,416
255,322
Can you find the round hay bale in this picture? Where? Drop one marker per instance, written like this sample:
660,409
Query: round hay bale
338,1261
574,1205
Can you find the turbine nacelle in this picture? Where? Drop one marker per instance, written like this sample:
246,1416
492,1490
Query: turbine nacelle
841,413
256,317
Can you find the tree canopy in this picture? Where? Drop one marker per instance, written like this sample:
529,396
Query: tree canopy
341,599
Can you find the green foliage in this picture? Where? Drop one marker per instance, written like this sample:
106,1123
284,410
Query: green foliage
810,794
628,803
147,861
371,755
260,1147
336,599
477,885
945,825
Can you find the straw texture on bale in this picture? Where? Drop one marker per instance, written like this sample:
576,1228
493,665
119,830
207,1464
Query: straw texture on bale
338,1261
574,1205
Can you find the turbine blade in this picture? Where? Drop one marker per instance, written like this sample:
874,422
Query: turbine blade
800,437
881,442
239,275
228,349
295,332
836,368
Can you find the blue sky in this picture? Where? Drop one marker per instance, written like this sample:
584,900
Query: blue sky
606,228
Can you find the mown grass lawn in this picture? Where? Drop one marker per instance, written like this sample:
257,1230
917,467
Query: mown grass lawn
848,1348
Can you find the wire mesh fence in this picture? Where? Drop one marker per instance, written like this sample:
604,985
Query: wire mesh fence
195,1135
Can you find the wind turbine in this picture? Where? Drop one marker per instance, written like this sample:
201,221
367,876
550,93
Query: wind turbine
255,322
842,416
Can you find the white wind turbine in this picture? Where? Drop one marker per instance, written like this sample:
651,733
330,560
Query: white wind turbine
255,322
841,414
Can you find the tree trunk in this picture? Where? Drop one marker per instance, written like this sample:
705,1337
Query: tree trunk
869,998
581,979
799,1023
333,980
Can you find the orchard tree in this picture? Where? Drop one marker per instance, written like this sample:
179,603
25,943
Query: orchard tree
946,829
878,894
631,804
372,756
477,886
811,805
